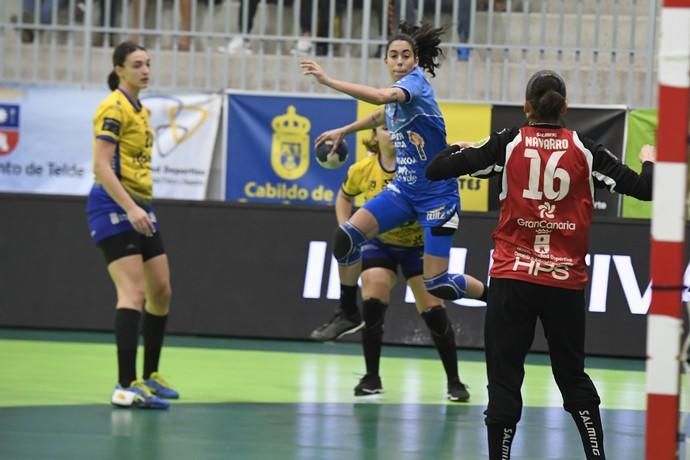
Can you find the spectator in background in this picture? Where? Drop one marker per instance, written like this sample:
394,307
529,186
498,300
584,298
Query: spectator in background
499,5
305,44
108,10
405,10
240,43
396,11
184,41
45,15
464,14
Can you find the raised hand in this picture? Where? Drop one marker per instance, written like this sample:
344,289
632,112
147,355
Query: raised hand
310,67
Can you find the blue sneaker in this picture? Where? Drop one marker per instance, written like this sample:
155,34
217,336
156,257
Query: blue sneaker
160,387
137,395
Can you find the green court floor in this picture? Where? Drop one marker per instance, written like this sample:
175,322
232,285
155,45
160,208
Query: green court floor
249,399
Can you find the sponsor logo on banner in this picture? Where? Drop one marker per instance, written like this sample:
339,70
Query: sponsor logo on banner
316,264
9,128
50,156
637,297
269,147
290,145
55,157
185,127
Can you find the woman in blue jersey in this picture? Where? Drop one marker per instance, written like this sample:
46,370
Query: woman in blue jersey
402,248
418,131
124,227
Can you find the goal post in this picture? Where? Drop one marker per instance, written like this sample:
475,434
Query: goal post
667,258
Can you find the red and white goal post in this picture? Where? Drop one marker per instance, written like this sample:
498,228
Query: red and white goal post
667,259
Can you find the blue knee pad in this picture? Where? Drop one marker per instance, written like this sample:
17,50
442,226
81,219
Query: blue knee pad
445,286
347,242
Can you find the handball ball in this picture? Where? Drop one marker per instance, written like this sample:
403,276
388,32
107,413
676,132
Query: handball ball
331,160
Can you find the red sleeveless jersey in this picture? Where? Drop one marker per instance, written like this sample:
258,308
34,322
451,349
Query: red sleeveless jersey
546,209
548,176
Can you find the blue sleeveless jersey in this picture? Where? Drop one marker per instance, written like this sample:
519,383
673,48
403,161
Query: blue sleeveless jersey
419,133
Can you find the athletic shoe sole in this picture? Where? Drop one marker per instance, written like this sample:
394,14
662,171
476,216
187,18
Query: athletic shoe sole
350,331
365,392
457,399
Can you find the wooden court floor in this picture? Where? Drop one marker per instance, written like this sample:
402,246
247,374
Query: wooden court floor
251,399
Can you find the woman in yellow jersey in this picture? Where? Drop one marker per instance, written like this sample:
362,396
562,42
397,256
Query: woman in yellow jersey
401,247
122,223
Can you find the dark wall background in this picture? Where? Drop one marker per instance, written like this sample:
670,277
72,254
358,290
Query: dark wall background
238,270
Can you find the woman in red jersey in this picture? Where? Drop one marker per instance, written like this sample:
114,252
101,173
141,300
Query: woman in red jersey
548,175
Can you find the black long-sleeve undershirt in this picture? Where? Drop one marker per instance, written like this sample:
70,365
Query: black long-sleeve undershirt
488,159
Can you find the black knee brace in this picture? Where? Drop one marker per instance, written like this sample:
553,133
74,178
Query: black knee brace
346,243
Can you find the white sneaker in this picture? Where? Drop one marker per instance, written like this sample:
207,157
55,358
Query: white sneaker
302,48
137,395
236,46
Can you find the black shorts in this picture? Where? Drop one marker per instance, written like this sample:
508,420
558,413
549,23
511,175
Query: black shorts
376,253
131,243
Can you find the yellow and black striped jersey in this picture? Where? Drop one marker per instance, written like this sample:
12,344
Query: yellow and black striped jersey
368,178
125,122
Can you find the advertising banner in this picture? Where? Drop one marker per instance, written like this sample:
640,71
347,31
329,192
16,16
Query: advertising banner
185,130
46,141
641,130
270,143
605,125
287,283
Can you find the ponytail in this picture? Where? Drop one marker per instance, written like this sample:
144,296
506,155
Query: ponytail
113,80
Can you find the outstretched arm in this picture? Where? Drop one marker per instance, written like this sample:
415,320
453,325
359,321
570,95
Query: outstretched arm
374,120
370,94
611,173
479,160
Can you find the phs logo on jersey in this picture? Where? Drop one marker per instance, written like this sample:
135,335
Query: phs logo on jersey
290,145
9,128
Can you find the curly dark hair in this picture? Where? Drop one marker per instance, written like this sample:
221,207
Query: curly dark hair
425,40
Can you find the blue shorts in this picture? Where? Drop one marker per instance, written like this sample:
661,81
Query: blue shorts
106,218
376,253
438,215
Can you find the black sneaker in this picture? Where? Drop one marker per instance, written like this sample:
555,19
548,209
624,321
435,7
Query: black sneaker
369,385
457,392
336,327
